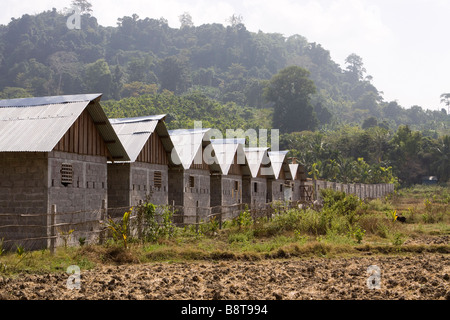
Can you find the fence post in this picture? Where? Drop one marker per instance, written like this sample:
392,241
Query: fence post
102,218
53,229
139,221
197,219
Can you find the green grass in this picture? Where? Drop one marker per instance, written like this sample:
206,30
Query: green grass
344,227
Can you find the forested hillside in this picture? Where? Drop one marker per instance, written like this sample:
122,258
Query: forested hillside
227,77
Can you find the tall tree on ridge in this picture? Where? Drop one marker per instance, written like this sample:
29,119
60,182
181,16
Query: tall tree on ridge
290,92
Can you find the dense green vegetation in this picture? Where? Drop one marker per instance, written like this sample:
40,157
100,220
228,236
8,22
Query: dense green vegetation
332,118
345,226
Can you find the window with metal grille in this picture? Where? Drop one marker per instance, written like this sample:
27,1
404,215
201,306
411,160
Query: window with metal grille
192,182
66,174
157,178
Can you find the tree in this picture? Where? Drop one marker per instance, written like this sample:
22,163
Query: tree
14,93
235,20
441,163
63,62
98,77
445,99
323,114
405,154
355,67
186,20
370,123
136,89
289,91
175,74
84,5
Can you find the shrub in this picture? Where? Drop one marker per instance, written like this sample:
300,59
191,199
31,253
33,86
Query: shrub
244,219
152,229
339,202
211,227
287,221
82,241
240,237
398,239
358,234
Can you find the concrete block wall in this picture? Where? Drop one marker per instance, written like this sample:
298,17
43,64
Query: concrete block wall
216,190
258,195
23,191
191,198
119,185
275,190
231,195
223,190
23,182
80,203
90,182
247,190
143,183
176,187
296,191
30,183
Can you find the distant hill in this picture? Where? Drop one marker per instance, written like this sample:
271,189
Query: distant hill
40,56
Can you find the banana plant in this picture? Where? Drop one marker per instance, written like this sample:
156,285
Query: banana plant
120,231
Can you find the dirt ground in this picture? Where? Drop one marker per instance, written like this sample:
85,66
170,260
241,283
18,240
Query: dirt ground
423,276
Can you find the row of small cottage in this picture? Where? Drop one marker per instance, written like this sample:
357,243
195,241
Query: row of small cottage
63,152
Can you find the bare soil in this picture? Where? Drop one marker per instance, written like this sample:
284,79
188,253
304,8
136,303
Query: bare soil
422,276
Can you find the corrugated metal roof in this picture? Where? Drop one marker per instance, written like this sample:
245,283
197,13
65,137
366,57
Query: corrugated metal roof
277,158
135,132
36,128
138,119
225,150
38,101
255,158
37,124
187,145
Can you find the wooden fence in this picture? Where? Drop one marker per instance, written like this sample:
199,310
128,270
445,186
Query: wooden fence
39,231
51,230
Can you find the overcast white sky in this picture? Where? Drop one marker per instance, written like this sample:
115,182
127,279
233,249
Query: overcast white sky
404,44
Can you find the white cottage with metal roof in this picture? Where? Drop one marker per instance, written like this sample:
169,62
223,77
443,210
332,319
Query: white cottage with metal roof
189,173
254,185
53,154
227,171
145,176
278,187
301,191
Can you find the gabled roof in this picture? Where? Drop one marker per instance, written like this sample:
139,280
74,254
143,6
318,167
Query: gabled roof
255,158
224,152
135,132
38,124
188,145
278,162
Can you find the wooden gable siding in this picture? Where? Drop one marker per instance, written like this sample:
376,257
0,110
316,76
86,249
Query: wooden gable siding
203,166
83,138
235,168
153,151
